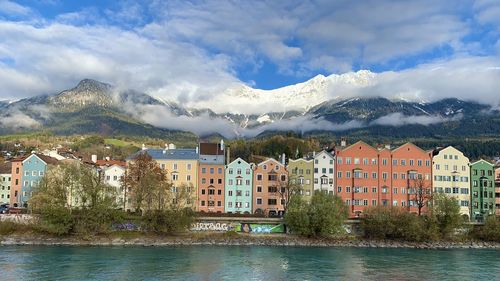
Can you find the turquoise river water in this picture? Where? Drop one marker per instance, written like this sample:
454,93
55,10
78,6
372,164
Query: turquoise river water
245,263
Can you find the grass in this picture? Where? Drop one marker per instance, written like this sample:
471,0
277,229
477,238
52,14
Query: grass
117,142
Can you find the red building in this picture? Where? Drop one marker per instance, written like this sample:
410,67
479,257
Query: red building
411,166
367,176
270,179
211,177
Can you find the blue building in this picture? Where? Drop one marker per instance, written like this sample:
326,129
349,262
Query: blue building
33,168
239,181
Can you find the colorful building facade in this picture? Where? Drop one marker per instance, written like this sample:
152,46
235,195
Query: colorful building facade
211,177
451,172
238,187
270,181
411,174
181,166
357,176
482,190
301,173
26,174
324,171
497,191
5,182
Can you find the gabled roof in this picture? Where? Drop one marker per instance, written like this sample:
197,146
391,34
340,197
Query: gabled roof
270,160
44,158
359,143
299,160
482,160
170,154
324,152
109,163
409,143
115,166
236,161
438,150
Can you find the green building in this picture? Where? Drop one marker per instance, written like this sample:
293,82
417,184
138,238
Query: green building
238,187
301,173
482,190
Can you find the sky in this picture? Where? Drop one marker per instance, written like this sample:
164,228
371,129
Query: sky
190,50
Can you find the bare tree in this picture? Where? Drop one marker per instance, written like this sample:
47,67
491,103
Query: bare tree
287,190
420,193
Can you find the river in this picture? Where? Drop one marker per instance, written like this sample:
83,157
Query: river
245,263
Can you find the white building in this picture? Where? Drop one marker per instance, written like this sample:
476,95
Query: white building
324,174
451,176
113,176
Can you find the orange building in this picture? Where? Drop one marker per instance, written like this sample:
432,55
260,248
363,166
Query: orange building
211,177
357,176
411,167
270,179
16,184
367,176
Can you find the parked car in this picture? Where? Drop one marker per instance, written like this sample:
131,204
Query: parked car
4,208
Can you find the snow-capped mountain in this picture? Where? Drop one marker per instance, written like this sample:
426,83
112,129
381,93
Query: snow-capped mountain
315,105
299,97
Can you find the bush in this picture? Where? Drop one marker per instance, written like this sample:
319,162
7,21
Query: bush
55,220
95,221
490,231
168,221
395,223
324,216
8,227
447,212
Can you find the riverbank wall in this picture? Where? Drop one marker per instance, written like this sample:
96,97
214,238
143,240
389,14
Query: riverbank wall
218,239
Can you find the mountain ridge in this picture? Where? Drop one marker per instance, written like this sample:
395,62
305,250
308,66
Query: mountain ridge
93,106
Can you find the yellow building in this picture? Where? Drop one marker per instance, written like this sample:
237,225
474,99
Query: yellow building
181,166
451,176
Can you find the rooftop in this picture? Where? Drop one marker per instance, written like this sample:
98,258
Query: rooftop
169,154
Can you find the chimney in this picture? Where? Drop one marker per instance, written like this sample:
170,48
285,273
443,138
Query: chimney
283,158
343,142
314,154
228,154
171,146
197,149
387,146
166,147
93,158
107,158
221,144
143,147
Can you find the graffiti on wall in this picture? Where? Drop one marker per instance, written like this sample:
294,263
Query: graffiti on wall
260,228
212,226
18,218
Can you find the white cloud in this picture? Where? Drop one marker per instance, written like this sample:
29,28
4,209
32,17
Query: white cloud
14,118
398,119
52,57
13,9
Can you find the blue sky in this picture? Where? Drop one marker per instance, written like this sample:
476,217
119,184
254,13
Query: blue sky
189,50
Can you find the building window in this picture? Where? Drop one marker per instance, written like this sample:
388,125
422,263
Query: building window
203,170
259,177
259,201
259,188
271,201
230,171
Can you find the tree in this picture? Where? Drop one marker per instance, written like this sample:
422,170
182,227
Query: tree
421,194
447,213
322,217
287,191
145,180
73,197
